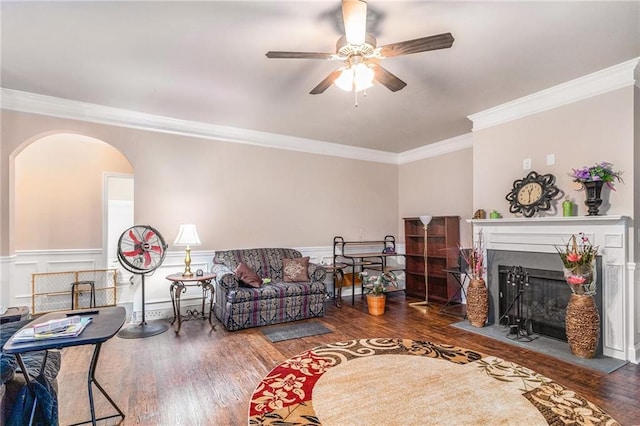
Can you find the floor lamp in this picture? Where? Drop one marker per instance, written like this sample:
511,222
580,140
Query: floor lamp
424,305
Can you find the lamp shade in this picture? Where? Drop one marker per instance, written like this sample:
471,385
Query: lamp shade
426,219
187,236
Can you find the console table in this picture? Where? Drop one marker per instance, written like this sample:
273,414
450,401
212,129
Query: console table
104,325
179,284
345,252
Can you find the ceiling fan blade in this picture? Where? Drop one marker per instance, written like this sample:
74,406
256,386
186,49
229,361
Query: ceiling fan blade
299,55
387,79
423,44
354,16
326,83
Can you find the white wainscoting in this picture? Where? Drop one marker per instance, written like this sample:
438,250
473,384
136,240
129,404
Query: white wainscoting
15,272
5,288
27,262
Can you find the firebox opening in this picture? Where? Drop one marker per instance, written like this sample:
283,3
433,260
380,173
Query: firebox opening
544,299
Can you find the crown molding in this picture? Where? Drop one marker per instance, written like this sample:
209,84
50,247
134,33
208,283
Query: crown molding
612,78
446,146
603,81
34,103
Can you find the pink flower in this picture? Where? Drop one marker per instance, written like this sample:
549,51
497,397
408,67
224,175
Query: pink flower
574,257
576,279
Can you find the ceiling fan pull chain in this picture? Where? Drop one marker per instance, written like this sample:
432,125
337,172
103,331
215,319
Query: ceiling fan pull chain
355,95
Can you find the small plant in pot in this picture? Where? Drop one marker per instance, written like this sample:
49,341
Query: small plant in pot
377,286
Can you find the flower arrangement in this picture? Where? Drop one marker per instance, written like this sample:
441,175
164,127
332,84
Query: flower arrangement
602,171
378,283
474,257
578,259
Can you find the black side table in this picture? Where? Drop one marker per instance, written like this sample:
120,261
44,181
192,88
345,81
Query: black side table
337,270
76,289
460,276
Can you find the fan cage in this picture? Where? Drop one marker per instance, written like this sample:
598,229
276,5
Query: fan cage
51,291
138,234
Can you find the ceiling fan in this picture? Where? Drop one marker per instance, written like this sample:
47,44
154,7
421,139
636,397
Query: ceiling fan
361,55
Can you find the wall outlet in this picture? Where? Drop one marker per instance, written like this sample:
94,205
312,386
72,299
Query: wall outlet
526,164
551,159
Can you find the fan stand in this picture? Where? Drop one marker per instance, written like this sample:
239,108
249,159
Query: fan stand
143,329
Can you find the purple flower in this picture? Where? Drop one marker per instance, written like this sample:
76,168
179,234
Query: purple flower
602,171
582,174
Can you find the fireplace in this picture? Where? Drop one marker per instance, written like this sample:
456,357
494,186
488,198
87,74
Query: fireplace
535,300
531,243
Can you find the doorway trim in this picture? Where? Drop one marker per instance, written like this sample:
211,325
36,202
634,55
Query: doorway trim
105,211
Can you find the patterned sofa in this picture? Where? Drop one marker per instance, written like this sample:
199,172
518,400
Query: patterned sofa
238,306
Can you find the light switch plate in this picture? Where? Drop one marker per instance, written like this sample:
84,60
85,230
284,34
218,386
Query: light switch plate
551,159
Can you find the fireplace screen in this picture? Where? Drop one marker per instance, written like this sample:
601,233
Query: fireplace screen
538,304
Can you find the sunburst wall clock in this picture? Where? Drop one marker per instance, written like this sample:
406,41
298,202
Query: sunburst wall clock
532,194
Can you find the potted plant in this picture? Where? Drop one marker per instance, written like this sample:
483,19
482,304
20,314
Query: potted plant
377,286
592,179
477,292
582,320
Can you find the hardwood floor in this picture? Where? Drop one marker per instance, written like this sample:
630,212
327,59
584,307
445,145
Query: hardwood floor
206,377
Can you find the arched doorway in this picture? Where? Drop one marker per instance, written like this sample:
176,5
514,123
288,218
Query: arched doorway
60,213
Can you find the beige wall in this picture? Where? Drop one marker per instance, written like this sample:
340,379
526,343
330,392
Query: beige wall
579,134
237,195
240,195
440,185
59,192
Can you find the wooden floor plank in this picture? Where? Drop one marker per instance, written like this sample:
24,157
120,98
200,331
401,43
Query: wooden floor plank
205,377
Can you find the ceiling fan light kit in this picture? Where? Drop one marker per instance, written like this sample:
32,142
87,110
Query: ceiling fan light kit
356,77
361,56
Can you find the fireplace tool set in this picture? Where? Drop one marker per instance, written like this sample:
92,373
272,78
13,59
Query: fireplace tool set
515,318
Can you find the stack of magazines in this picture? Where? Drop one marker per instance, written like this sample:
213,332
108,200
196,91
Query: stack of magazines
53,329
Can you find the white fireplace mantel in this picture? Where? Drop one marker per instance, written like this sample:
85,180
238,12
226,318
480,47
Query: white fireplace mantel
608,233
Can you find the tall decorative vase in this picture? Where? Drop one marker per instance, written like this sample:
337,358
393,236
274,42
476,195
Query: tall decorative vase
477,302
376,304
582,325
593,201
582,318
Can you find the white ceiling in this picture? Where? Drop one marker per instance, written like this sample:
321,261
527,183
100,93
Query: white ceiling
205,61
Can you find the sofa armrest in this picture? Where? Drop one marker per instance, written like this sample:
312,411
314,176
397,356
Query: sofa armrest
225,276
316,273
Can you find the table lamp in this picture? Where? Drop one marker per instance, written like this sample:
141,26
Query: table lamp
187,236
425,219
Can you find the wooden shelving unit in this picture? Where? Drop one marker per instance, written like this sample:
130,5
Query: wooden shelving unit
443,238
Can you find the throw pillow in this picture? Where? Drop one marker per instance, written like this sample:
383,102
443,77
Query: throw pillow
296,270
247,276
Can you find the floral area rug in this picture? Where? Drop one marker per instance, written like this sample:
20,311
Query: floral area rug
400,382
